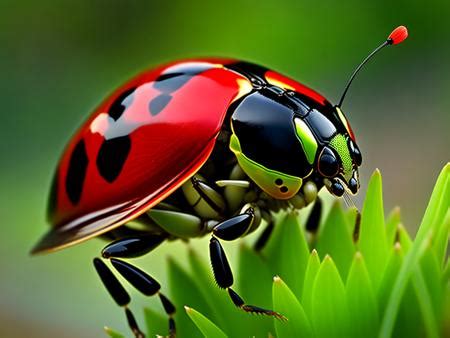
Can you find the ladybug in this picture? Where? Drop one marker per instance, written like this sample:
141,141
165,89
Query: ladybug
193,148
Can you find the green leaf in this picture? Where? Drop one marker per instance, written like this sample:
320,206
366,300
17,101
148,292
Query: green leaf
351,214
392,223
372,237
329,309
336,240
434,216
255,286
185,292
361,300
310,276
426,303
216,298
390,273
440,244
404,238
113,334
287,252
286,303
156,323
206,327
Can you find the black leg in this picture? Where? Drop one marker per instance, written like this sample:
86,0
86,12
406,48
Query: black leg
224,279
313,222
132,247
235,227
118,293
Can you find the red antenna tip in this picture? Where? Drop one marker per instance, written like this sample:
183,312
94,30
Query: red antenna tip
398,35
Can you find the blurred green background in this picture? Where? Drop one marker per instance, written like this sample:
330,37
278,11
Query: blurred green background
58,59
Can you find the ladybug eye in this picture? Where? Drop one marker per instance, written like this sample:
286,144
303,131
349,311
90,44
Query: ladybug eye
328,164
354,150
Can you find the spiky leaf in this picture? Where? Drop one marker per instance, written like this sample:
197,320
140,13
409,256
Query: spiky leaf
287,252
206,327
285,302
335,240
434,217
372,238
310,276
361,300
329,309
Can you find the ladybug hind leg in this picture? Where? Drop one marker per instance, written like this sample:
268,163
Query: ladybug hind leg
126,248
228,230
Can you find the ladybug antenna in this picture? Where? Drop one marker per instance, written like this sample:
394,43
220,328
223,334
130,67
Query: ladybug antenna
398,35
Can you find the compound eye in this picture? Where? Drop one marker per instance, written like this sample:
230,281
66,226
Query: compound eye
328,164
337,189
354,150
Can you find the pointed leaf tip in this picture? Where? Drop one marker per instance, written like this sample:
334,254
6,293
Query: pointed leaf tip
206,326
398,35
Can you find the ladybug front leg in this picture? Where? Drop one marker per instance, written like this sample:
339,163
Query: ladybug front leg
229,230
127,248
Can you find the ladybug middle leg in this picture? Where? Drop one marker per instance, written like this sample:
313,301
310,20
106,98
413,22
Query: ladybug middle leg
229,230
127,248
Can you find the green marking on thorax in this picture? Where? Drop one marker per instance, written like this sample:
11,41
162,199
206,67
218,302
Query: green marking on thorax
263,176
307,139
339,144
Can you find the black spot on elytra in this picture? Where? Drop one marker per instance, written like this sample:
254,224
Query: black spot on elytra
76,172
52,198
112,156
168,83
121,103
158,103
177,76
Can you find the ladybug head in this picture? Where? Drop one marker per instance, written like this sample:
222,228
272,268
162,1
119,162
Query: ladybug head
338,164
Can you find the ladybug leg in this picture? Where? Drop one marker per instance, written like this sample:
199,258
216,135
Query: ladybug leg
224,279
148,286
126,248
229,230
207,202
132,246
118,293
176,223
313,221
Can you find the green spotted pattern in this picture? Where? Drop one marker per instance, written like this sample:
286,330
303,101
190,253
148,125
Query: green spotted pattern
339,144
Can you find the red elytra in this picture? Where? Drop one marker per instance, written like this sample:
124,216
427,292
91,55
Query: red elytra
160,151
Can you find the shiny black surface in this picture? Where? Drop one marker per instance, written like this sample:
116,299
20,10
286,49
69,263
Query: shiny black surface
328,164
132,246
355,152
112,284
337,189
321,125
234,227
136,277
266,131
263,122
220,265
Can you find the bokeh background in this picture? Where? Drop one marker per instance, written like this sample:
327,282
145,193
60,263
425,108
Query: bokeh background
58,59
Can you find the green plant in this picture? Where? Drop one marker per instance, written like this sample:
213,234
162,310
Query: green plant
377,282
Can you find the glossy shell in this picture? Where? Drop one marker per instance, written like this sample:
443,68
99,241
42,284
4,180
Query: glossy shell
137,147
145,141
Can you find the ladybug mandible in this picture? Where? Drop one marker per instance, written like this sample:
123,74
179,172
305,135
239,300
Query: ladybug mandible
197,147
